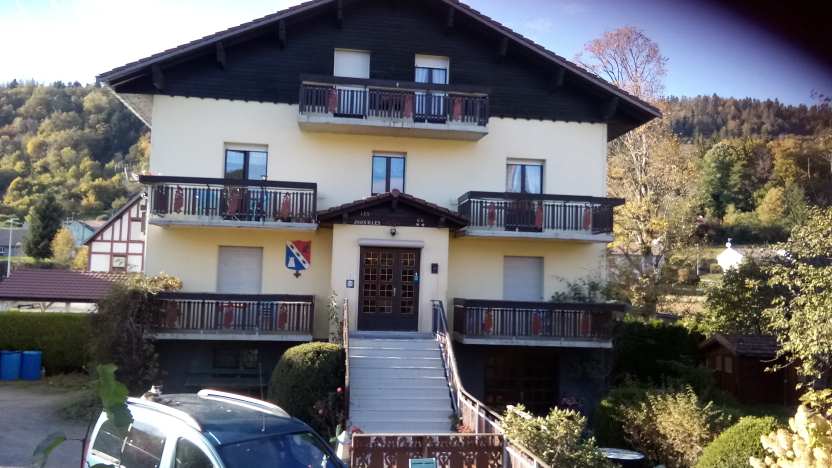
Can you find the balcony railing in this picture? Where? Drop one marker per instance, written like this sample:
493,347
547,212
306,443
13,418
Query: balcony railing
574,322
526,212
262,201
235,314
399,105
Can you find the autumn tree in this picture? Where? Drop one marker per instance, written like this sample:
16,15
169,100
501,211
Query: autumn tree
647,166
44,221
63,247
801,317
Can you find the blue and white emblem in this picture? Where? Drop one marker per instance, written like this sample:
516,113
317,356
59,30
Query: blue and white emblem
298,255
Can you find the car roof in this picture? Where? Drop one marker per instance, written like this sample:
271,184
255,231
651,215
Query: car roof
227,420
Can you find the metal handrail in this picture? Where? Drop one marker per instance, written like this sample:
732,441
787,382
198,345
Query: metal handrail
487,420
345,330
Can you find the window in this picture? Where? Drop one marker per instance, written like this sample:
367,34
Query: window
388,174
298,450
524,177
188,455
245,164
143,447
108,442
431,69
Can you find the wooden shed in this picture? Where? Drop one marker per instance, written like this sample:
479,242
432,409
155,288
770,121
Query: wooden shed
739,363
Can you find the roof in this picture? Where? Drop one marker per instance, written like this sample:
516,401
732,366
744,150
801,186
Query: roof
762,346
228,422
177,52
452,218
53,285
102,226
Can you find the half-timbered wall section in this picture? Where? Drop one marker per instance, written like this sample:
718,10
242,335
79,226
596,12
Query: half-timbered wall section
119,245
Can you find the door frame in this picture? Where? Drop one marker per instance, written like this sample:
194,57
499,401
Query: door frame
396,300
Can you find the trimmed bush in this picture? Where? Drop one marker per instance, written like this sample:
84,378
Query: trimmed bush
738,443
62,337
643,349
606,421
305,375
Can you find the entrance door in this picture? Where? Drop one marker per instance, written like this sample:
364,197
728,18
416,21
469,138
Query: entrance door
388,294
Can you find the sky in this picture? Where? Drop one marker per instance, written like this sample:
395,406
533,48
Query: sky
709,50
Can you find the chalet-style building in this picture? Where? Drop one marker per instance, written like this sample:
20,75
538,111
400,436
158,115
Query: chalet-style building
117,246
413,156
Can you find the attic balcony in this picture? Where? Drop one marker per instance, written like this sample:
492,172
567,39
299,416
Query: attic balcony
223,203
240,317
538,216
393,108
542,324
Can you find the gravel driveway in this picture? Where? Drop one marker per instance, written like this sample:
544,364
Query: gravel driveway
28,413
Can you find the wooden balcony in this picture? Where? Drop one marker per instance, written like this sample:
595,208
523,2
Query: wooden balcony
527,215
242,317
395,108
207,202
513,323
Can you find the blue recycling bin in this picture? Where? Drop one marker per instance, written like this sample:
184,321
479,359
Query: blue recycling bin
30,365
9,365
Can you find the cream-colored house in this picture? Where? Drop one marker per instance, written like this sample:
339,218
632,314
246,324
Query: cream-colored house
410,156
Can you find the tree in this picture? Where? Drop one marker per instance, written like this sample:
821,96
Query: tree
723,173
801,317
44,221
647,166
63,247
736,305
81,259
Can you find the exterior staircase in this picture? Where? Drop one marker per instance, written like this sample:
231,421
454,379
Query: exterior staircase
398,384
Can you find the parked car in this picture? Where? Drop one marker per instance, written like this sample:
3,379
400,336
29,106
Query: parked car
209,429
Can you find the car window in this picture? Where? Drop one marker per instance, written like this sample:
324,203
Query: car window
143,447
188,455
300,450
109,441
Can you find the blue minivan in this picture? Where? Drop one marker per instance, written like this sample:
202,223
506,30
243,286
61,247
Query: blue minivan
209,429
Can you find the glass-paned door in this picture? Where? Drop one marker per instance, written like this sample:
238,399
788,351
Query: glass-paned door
431,106
388,289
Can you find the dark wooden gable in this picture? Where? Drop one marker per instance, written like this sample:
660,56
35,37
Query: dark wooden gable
392,209
266,64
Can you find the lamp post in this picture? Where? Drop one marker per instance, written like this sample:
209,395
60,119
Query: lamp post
11,221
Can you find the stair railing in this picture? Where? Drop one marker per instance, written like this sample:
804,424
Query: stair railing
345,330
471,412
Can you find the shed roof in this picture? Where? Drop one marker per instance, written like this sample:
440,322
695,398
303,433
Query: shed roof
762,346
53,285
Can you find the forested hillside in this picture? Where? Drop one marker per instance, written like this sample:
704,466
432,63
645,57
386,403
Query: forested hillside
714,117
77,142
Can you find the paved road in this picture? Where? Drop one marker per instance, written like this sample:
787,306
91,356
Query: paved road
28,413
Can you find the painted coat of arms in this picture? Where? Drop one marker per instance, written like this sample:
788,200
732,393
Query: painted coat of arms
298,256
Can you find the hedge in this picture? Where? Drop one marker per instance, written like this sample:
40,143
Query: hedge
306,374
644,349
63,337
737,443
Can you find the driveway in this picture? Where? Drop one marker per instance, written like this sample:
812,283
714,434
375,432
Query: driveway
28,413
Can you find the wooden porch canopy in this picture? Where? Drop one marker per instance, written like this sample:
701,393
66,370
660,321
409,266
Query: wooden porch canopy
392,209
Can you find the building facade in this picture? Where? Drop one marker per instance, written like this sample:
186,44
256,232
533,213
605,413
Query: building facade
405,155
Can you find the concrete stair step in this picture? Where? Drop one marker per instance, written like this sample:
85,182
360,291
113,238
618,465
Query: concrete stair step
377,375
401,414
394,352
411,427
436,404
394,344
434,391
395,363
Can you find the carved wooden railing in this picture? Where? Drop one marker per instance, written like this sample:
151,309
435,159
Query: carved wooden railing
232,200
211,313
472,413
528,212
393,100
345,331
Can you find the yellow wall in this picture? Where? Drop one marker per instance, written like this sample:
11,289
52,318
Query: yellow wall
189,136
345,263
476,265
192,254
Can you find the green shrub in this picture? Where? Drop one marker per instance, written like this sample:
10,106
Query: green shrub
305,375
62,337
606,420
556,438
671,427
639,344
738,443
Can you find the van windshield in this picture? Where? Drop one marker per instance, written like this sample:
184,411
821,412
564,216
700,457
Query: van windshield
299,450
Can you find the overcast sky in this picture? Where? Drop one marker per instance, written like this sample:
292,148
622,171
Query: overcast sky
710,50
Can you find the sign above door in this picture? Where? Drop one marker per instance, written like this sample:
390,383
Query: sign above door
392,209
